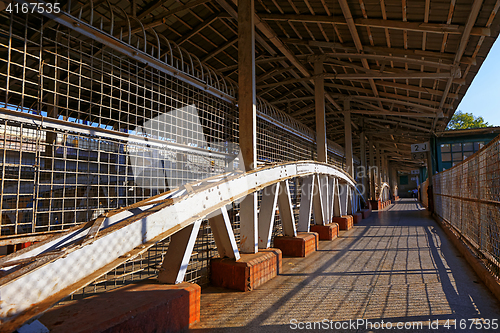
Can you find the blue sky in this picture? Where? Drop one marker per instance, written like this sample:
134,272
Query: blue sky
483,96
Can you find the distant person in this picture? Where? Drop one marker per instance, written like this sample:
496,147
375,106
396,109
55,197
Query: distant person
414,193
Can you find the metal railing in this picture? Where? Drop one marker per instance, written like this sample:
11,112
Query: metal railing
85,129
109,240
467,197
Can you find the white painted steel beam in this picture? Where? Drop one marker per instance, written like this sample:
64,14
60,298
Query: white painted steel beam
267,214
306,202
337,207
331,193
344,197
286,210
318,202
223,234
323,181
124,234
176,260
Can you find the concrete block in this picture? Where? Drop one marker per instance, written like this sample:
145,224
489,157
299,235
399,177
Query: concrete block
142,307
301,246
345,222
357,217
326,232
248,273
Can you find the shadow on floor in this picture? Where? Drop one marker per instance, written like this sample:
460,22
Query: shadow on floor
397,265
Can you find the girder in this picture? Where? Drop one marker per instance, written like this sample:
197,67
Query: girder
56,267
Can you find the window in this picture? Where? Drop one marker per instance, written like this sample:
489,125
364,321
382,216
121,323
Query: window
468,146
446,157
403,180
456,147
468,154
478,145
457,157
445,148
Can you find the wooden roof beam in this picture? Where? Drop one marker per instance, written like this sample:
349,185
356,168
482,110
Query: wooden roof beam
199,28
357,41
402,101
476,6
378,75
382,50
391,85
377,23
295,99
389,113
403,60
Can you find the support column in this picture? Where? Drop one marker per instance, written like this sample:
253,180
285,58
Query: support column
247,119
430,188
364,169
372,166
379,164
394,181
319,98
348,138
386,167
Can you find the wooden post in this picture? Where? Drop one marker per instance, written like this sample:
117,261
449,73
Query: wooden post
319,96
364,169
348,138
372,171
379,165
247,119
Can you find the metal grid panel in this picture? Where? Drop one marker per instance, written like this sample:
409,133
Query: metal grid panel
145,132
468,197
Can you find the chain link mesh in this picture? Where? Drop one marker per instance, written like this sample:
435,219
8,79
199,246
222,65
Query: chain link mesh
467,196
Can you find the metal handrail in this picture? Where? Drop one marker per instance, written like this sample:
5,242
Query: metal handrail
86,252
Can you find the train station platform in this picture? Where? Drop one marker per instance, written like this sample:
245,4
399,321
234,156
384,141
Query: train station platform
395,267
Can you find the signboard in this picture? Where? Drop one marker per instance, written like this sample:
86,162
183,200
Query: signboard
419,147
415,172
414,179
418,156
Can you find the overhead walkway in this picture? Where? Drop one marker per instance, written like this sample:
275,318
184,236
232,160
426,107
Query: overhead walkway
396,266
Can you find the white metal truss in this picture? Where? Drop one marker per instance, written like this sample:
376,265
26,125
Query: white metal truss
57,267
384,192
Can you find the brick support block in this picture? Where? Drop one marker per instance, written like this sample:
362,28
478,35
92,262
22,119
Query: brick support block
142,307
345,222
366,213
248,273
301,246
326,232
376,204
357,217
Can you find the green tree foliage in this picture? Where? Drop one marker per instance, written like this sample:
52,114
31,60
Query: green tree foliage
466,120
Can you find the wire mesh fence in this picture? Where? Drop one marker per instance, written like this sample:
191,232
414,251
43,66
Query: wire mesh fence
85,129
467,197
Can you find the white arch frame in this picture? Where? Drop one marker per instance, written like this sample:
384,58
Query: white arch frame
88,251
